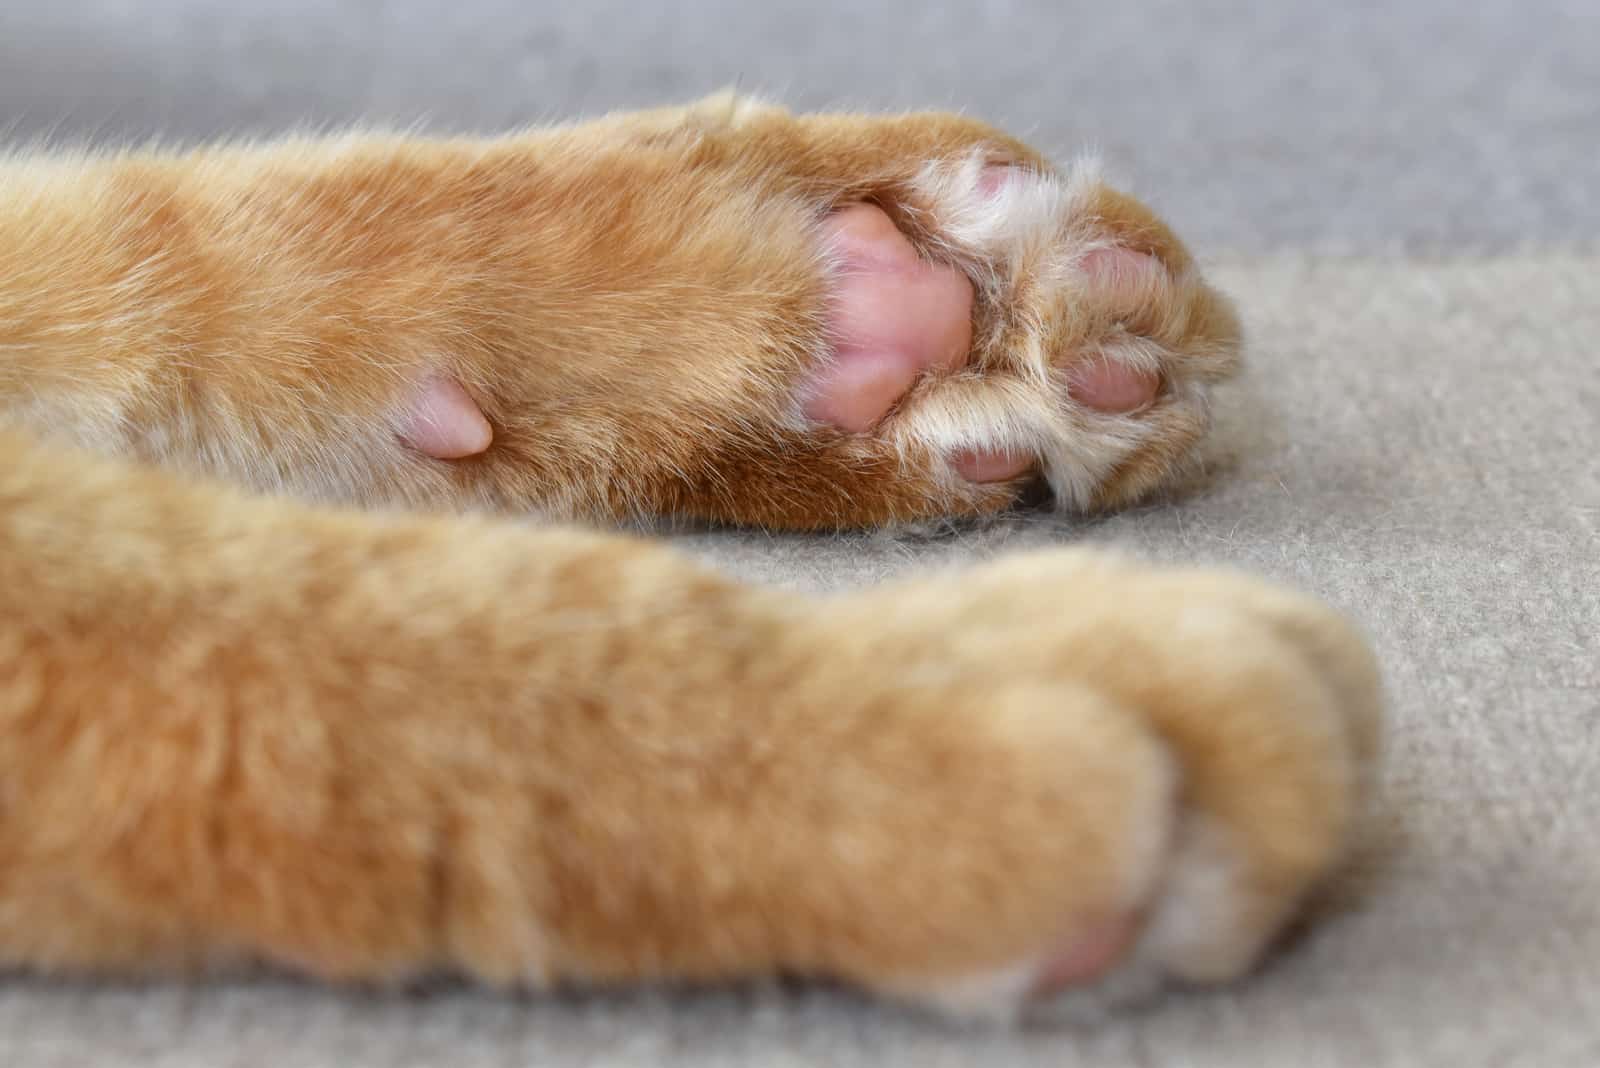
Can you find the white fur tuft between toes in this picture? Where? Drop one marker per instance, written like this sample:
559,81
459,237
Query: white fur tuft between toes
1030,216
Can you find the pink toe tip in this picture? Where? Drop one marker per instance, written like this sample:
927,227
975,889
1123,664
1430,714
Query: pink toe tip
1115,388
1085,957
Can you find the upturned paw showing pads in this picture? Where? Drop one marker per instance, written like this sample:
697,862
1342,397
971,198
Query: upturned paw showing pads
1097,339
897,318
992,320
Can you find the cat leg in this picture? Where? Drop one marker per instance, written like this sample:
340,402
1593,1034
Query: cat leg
724,312
373,747
959,319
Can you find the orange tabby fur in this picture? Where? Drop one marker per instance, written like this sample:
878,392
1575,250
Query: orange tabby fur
369,746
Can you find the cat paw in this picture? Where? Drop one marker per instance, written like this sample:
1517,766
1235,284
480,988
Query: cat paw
1019,322
834,321
988,321
1142,790
897,319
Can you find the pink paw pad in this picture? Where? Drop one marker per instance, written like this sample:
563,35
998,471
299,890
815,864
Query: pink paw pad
1123,280
894,317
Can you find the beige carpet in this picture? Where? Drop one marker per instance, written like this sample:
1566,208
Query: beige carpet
1417,441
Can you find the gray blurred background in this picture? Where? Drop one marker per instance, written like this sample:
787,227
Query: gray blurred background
1356,126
